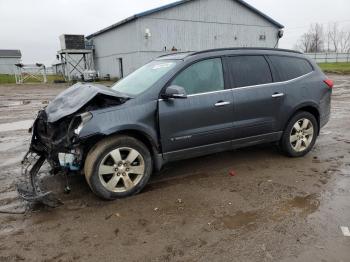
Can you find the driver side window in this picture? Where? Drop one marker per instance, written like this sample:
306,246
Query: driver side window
201,77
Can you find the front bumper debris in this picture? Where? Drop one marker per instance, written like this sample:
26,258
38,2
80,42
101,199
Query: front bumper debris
29,188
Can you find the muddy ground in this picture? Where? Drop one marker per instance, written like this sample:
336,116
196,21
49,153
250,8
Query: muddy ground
274,208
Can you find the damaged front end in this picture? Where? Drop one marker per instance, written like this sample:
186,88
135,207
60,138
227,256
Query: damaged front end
55,137
54,143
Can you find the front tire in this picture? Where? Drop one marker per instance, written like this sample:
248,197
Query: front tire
118,167
300,135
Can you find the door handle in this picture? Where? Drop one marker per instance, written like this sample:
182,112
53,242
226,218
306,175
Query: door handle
277,95
222,103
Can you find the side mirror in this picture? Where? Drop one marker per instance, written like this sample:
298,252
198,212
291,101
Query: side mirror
174,91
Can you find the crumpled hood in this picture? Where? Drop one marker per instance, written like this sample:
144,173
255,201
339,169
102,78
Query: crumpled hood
75,97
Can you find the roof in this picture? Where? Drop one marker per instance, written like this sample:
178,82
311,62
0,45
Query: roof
165,7
183,55
175,56
247,49
10,53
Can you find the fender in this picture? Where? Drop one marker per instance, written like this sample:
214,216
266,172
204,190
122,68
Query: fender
142,130
137,117
307,104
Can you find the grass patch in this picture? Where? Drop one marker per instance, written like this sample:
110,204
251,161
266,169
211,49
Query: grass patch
336,68
10,79
7,79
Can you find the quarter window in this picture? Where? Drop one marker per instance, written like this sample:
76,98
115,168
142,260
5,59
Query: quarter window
249,70
288,68
201,77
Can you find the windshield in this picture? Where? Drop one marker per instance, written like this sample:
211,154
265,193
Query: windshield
143,78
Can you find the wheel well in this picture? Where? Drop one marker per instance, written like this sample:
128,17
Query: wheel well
152,147
310,109
142,137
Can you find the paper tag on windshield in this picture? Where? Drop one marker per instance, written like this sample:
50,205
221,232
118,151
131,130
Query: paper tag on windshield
165,65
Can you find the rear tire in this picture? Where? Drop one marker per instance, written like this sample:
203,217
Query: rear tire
118,167
300,134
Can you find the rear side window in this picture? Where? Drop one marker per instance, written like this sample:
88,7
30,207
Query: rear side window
249,70
288,68
201,77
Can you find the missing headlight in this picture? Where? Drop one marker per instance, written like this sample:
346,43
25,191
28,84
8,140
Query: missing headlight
84,118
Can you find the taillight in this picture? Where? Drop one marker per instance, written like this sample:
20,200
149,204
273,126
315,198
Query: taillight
329,83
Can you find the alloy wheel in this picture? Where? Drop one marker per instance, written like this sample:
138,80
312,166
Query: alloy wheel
121,169
301,135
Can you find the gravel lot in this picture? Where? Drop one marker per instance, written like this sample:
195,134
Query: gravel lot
274,208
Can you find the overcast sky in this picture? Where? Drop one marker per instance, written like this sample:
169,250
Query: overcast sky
33,26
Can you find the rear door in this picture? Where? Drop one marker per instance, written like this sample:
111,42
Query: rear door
204,118
291,73
257,100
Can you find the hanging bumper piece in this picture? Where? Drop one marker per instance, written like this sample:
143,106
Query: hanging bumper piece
29,188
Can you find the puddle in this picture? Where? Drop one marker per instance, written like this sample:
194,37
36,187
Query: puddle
11,228
7,197
20,125
12,161
240,219
11,103
6,229
11,145
303,206
307,205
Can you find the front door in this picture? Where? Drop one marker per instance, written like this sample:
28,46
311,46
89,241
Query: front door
257,100
202,121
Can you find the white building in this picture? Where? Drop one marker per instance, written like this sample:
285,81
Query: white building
8,59
187,25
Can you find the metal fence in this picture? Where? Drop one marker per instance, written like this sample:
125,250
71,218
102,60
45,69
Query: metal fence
330,57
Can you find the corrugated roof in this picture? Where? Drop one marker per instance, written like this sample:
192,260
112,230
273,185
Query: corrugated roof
165,7
10,53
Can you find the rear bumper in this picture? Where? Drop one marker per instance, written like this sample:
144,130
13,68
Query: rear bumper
325,109
324,119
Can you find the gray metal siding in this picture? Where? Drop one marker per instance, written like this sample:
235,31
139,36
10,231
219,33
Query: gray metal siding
192,26
7,65
215,11
118,43
110,64
195,36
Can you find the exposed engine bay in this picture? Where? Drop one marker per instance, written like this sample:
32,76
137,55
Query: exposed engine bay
55,136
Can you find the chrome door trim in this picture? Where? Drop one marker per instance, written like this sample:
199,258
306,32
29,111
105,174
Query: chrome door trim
253,86
275,83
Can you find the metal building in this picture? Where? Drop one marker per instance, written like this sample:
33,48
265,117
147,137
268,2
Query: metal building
187,25
8,59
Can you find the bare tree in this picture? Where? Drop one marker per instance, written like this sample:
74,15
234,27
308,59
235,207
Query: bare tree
328,38
335,39
348,42
334,34
313,40
304,43
344,41
317,36
338,39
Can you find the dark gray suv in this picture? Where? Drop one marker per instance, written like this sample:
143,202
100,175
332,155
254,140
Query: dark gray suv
181,106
